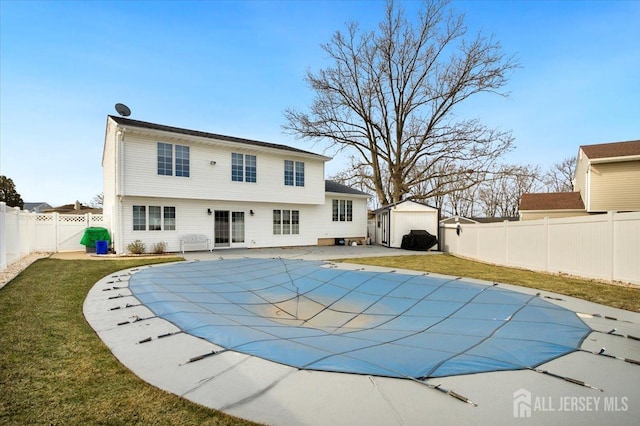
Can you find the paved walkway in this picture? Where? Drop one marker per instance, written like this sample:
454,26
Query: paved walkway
307,252
266,392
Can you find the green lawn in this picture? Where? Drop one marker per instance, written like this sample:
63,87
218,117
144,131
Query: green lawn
54,370
623,297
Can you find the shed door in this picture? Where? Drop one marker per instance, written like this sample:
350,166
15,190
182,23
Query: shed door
384,218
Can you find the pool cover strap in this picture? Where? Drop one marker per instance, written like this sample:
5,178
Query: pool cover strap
311,315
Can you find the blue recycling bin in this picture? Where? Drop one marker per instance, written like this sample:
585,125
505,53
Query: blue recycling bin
102,247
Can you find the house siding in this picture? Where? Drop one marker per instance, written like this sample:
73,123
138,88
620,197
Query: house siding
109,174
528,215
580,183
192,218
130,172
209,181
325,227
615,186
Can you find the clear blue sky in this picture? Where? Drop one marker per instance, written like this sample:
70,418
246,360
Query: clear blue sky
232,67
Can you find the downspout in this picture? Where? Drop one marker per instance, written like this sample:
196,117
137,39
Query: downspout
119,169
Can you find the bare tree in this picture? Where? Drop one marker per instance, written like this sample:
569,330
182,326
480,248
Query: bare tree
500,195
462,201
560,177
97,200
391,96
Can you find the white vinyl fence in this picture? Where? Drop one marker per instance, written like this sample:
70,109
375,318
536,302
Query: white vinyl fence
22,232
603,246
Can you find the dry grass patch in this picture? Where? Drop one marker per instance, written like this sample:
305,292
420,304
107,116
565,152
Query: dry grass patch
54,369
617,296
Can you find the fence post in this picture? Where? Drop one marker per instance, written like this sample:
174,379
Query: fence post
18,241
546,244
506,242
3,236
56,220
611,254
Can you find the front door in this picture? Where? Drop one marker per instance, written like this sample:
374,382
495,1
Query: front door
221,228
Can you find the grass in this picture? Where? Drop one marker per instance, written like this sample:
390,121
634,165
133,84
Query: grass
55,370
617,296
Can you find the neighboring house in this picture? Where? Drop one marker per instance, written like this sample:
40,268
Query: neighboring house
395,220
607,178
162,183
36,207
454,220
551,204
75,208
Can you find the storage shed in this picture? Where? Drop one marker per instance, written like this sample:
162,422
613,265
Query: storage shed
398,219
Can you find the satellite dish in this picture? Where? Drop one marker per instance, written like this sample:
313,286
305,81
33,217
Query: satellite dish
123,110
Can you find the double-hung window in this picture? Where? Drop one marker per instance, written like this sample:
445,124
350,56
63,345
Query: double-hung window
158,218
286,222
250,168
237,227
167,160
182,160
139,218
342,210
243,167
299,173
169,218
155,218
237,167
293,173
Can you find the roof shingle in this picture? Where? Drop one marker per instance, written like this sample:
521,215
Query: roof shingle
332,186
615,149
552,201
161,127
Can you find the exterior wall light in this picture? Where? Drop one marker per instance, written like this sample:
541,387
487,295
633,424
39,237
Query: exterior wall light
209,212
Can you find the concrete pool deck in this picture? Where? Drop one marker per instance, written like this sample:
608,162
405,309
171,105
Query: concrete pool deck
267,392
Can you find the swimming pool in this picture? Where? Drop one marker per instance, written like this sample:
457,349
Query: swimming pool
313,315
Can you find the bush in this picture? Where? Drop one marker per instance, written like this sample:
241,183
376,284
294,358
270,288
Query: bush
137,247
159,248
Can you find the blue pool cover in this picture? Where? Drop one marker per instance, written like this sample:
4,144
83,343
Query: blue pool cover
310,315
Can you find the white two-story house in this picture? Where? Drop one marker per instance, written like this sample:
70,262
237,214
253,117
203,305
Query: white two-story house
162,182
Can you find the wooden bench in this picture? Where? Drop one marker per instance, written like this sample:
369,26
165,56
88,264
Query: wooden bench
194,239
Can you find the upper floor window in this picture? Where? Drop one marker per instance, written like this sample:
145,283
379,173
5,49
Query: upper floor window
250,168
342,210
293,173
237,167
182,160
299,173
166,159
243,167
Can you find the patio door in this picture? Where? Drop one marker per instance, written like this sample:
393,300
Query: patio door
221,228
